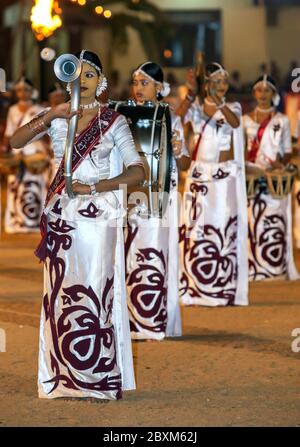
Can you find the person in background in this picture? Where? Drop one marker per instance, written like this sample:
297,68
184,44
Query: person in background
269,146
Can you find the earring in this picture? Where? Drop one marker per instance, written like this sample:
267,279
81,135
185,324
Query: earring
68,88
102,85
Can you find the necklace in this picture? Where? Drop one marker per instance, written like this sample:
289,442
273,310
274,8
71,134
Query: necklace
92,105
210,103
258,109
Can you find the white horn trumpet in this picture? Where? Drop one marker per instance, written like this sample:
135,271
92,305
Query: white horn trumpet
67,68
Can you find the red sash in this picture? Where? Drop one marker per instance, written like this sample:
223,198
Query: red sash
84,143
257,140
195,151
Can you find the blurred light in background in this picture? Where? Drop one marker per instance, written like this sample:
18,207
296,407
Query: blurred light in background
168,54
45,18
99,10
107,14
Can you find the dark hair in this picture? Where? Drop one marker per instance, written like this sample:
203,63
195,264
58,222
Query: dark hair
212,67
154,71
268,78
55,87
92,57
26,81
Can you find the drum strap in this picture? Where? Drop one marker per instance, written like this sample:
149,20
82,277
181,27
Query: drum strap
84,144
257,140
195,151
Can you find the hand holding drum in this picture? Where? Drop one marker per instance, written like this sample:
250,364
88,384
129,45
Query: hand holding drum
176,143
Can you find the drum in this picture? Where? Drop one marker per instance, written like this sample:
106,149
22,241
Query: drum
9,163
150,125
36,163
280,181
253,180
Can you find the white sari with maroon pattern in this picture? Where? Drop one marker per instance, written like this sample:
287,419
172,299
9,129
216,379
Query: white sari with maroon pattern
270,242
26,192
213,234
296,194
85,345
152,253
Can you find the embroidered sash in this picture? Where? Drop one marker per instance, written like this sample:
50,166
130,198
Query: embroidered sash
84,143
257,140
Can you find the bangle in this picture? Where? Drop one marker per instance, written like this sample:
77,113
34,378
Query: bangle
190,96
93,189
223,103
177,156
37,125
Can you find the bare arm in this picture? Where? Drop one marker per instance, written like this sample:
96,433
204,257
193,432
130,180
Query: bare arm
184,106
183,163
131,177
191,95
231,118
226,155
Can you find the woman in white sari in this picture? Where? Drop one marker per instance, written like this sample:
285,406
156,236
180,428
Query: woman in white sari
85,346
213,235
270,245
26,191
152,244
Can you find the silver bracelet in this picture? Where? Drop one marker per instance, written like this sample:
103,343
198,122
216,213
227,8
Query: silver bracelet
177,156
93,189
220,106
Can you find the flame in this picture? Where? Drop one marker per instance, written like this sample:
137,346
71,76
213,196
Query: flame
45,18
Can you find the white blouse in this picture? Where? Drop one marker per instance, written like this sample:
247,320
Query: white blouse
217,133
97,165
276,138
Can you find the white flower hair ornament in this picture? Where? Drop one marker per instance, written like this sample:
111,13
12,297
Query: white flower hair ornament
102,85
165,91
276,99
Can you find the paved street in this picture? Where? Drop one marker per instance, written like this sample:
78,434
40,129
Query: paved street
232,367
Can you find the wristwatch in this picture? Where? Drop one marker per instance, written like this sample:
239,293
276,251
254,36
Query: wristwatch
93,189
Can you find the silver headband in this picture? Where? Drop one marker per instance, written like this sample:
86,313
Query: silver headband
165,85
265,82
219,71
81,58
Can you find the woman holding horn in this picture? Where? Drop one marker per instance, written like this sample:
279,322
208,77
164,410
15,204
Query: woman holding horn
85,347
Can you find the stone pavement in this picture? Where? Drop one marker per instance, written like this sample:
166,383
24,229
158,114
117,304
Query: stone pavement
232,367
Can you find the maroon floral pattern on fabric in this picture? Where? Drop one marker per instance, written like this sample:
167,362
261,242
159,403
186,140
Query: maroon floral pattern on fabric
82,334
220,174
210,263
27,208
267,239
91,211
148,292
